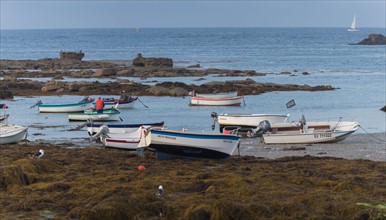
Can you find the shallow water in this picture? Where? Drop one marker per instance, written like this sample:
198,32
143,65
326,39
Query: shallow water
354,100
325,53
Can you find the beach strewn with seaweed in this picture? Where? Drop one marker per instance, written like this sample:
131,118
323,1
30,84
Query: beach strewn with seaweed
96,183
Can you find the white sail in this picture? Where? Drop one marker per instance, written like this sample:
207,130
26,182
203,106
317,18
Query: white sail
353,25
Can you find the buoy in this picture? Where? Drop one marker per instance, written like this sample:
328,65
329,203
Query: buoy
140,167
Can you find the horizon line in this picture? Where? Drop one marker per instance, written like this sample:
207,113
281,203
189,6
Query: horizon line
66,28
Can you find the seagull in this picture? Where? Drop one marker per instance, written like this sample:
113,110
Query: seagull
38,154
160,191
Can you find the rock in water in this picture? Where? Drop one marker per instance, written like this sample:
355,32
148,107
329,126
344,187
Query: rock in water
374,39
152,61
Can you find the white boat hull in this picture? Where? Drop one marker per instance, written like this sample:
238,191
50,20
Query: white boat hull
65,108
217,95
234,101
119,128
109,105
249,120
127,141
10,134
107,115
192,144
290,133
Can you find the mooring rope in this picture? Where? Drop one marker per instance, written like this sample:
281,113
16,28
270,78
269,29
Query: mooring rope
371,134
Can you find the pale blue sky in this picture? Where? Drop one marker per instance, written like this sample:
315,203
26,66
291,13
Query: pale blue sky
30,14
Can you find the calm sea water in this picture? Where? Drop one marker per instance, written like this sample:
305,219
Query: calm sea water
326,53
265,49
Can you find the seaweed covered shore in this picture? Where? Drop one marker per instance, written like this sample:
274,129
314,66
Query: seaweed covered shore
98,183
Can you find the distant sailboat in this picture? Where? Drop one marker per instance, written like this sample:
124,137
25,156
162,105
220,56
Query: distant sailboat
353,26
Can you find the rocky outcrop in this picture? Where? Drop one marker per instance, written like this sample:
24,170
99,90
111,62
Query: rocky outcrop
70,56
152,61
383,109
13,70
50,65
52,86
5,93
374,39
244,87
104,73
102,69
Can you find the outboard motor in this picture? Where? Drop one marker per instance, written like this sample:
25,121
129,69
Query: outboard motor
214,116
302,123
302,120
263,127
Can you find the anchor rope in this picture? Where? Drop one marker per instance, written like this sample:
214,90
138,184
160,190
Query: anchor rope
372,134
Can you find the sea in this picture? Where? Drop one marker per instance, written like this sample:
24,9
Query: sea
328,55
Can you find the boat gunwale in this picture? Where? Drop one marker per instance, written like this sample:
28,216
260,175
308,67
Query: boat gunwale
196,135
64,105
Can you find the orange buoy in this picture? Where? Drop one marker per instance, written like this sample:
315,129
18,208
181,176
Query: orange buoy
140,167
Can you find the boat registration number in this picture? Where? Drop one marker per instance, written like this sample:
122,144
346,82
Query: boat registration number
166,137
324,135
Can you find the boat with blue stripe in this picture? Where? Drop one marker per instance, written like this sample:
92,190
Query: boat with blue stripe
93,128
80,106
185,144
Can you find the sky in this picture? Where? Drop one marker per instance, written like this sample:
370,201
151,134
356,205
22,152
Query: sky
30,14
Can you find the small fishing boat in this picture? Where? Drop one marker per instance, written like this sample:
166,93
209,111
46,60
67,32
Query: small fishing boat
128,141
124,102
92,114
306,133
217,99
172,143
93,128
213,95
246,122
234,101
10,133
4,118
80,106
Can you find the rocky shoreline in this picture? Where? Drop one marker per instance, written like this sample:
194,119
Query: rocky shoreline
57,69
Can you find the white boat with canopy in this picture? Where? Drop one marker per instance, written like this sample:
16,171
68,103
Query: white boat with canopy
304,132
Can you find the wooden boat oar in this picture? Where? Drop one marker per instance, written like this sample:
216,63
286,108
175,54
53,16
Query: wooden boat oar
36,104
142,103
77,128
